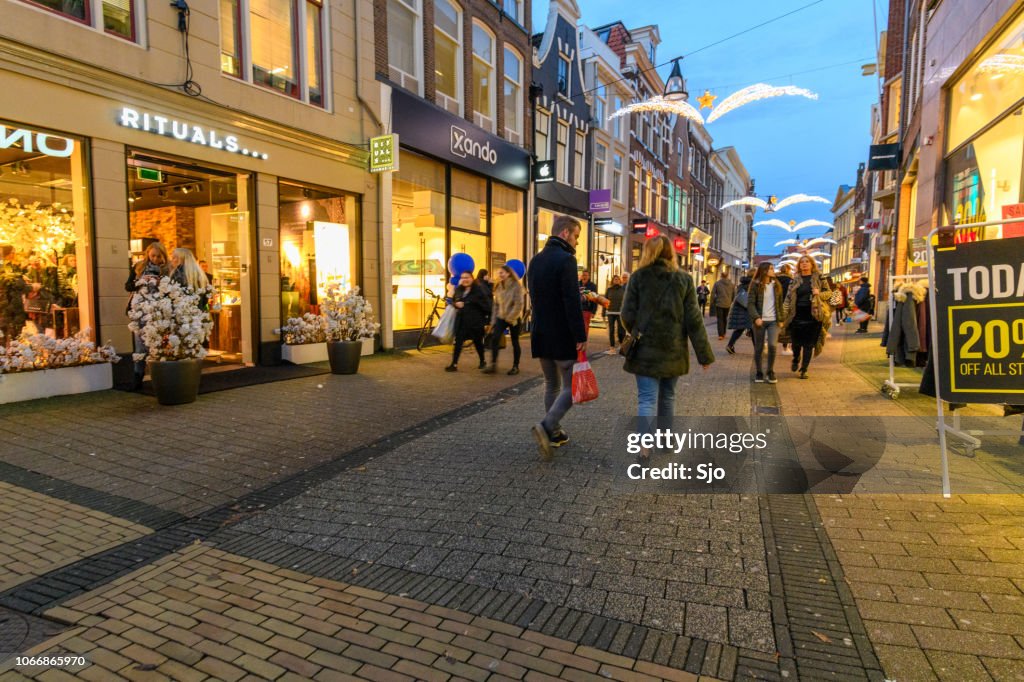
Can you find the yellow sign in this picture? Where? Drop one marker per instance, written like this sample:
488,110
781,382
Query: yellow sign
384,153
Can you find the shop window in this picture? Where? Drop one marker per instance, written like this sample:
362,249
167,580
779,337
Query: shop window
418,248
448,56
579,160
45,255
469,201
205,211
484,93
282,57
116,17
506,224
319,245
513,97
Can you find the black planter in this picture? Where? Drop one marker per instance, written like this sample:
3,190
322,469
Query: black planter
344,356
176,382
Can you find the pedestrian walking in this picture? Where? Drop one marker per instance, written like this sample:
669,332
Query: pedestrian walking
558,334
765,308
507,313
588,290
722,294
865,303
614,293
805,313
702,297
844,301
661,312
153,266
784,278
473,310
739,317
483,280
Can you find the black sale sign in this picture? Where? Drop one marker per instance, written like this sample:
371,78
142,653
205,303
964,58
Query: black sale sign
979,298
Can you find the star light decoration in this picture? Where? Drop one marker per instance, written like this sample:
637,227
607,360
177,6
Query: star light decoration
772,206
792,225
752,93
707,100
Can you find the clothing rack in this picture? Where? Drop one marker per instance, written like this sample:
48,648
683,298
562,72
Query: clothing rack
890,387
969,437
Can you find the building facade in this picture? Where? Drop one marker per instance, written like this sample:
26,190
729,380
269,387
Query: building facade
454,86
135,123
844,231
732,237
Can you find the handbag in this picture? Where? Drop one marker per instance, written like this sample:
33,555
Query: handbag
631,344
584,381
836,299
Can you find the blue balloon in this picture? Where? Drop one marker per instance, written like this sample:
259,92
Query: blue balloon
518,267
460,263
454,281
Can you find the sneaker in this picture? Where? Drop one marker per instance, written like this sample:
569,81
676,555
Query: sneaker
489,369
559,439
771,378
759,378
730,350
451,368
803,374
540,434
513,371
786,351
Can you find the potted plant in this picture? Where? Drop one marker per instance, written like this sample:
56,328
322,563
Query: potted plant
349,319
304,339
39,366
173,325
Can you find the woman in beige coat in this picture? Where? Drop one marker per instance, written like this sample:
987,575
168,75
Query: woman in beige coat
506,313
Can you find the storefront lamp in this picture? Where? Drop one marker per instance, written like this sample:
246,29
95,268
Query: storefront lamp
680,244
675,86
652,232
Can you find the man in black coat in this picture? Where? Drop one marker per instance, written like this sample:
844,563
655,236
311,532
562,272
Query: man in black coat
863,300
558,334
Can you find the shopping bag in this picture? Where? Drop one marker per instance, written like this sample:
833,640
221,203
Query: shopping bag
445,329
859,316
584,383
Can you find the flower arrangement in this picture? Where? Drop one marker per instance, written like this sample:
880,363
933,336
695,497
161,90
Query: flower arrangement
38,351
349,316
309,328
35,227
170,319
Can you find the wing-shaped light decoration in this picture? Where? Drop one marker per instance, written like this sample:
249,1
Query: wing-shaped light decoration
753,93
786,241
798,199
820,240
810,223
817,254
746,201
659,103
774,222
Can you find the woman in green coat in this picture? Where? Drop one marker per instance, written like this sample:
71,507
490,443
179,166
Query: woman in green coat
661,312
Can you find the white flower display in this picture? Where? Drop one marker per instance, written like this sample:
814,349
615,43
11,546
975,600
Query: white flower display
349,316
309,328
36,227
38,351
170,320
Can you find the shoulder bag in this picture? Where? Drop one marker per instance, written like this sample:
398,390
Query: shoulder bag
631,344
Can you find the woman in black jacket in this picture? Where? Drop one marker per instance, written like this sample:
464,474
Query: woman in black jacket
474,310
805,313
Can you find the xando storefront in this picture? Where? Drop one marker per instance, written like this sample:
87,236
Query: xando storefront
458,189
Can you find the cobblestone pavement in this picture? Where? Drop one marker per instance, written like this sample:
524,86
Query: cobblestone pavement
438,547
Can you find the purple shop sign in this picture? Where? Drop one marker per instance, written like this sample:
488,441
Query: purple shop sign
600,201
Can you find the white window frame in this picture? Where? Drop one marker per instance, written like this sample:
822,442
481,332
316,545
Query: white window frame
245,31
579,160
617,177
488,123
564,59
562,153
514,134
443,99
617,127
404,78
542,128
600,165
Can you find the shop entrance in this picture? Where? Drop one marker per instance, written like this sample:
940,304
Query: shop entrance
607,258
203,210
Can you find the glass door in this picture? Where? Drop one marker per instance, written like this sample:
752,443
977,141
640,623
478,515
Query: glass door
474,244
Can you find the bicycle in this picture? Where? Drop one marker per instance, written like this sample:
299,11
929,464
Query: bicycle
432,319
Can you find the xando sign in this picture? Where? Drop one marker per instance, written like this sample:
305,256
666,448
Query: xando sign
465,146
428,129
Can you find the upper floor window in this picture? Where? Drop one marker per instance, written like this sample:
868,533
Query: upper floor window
579,160
286,45
513,8
448,55
513,97
600,161
405,31
562,153
542,128
484,94
116,17
563,75
617,127
600,102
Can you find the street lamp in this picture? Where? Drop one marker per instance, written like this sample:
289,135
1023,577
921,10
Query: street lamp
675,86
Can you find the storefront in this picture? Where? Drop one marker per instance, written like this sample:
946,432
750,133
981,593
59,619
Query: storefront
607,253
458,189
985,139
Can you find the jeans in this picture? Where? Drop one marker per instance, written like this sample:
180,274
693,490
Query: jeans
736,334
722,315
615,329
497,331
477,336
557,392
767,331
139,365
656,397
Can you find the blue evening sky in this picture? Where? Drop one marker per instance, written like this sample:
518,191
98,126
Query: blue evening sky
788,144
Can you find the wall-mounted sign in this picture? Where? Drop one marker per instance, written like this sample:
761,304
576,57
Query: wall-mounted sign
432,130
33,142
640,225
600,200
1013,229
917,252
185,132
383,153
884,157
544,171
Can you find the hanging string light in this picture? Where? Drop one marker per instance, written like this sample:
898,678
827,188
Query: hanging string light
672,102
770,206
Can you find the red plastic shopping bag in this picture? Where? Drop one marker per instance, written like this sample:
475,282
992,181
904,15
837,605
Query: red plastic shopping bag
584,383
